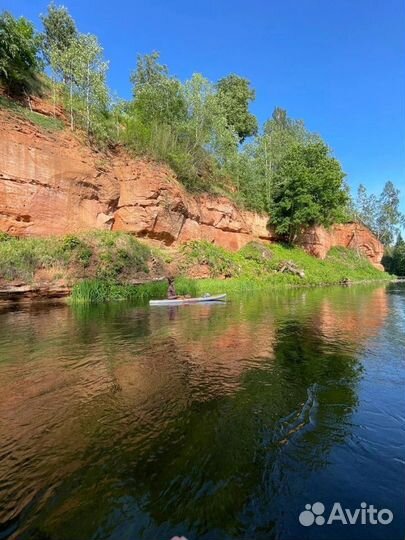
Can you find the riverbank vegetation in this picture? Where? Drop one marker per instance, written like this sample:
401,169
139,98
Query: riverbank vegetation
104,256
394,258
101,266
255,267
204,130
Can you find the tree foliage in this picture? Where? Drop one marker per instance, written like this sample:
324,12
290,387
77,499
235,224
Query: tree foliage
78,67
59,31
158,97
234,95
19,55
398,258
204,130
394,258
89,75
381,213
308,190
261,158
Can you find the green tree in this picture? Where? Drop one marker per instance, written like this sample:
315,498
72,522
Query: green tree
394,258
19,49
206,127
398,257
234,96
89,74
308,190
280,135
262,156
59,31
381,213
148,71
202,108
366,208
390,218
158,97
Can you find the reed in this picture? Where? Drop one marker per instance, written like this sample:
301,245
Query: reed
94,291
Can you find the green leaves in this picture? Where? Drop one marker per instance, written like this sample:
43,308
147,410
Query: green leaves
308,190
19,60
158,97
59,30
381,213
398,258
77,62
234,95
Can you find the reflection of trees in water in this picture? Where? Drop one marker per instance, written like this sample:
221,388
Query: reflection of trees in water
204,468
301,441
199,434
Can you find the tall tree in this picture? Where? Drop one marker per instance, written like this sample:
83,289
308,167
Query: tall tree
398,257
148,71
366,208
58,40
19,61
59,30
308,190
234,96
381,213
158,97
280,135
201,108
90,76
390,218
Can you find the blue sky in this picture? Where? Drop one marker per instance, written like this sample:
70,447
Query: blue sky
337,64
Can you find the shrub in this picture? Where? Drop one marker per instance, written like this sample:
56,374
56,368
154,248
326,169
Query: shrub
70,242
5,237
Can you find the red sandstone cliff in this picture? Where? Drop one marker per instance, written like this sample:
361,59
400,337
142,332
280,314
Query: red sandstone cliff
318,241
51,183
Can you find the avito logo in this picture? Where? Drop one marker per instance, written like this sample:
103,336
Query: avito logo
365,515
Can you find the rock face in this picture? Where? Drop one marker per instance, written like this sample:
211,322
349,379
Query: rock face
318,241
53,184
153,204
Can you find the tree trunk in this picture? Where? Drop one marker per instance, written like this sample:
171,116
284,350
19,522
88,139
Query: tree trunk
54,96
71,104
88,98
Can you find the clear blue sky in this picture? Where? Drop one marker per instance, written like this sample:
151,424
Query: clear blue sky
337,64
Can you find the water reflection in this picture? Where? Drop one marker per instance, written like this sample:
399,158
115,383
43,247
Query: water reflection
125,422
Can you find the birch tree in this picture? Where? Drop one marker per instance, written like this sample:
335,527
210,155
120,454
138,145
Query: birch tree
90,76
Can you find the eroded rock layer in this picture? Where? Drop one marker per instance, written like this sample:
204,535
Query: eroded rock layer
53,184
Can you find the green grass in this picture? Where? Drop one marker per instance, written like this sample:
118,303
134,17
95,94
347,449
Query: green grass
21,259
102,264
253,268
96,291
257,262
104,256
48,123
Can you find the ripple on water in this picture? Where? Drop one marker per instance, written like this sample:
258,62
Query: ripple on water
209,421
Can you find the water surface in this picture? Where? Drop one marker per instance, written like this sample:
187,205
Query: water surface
217,422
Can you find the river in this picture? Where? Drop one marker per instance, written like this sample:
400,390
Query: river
216,422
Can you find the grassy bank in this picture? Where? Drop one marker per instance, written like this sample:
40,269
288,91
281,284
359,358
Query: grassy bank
254,267
99,256
100,266
48,123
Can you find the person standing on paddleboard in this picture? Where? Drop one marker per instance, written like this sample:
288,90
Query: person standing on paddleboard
171,291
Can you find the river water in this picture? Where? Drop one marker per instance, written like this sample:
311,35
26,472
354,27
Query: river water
216,422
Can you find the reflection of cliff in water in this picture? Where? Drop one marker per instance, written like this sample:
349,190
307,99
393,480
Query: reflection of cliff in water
172,417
